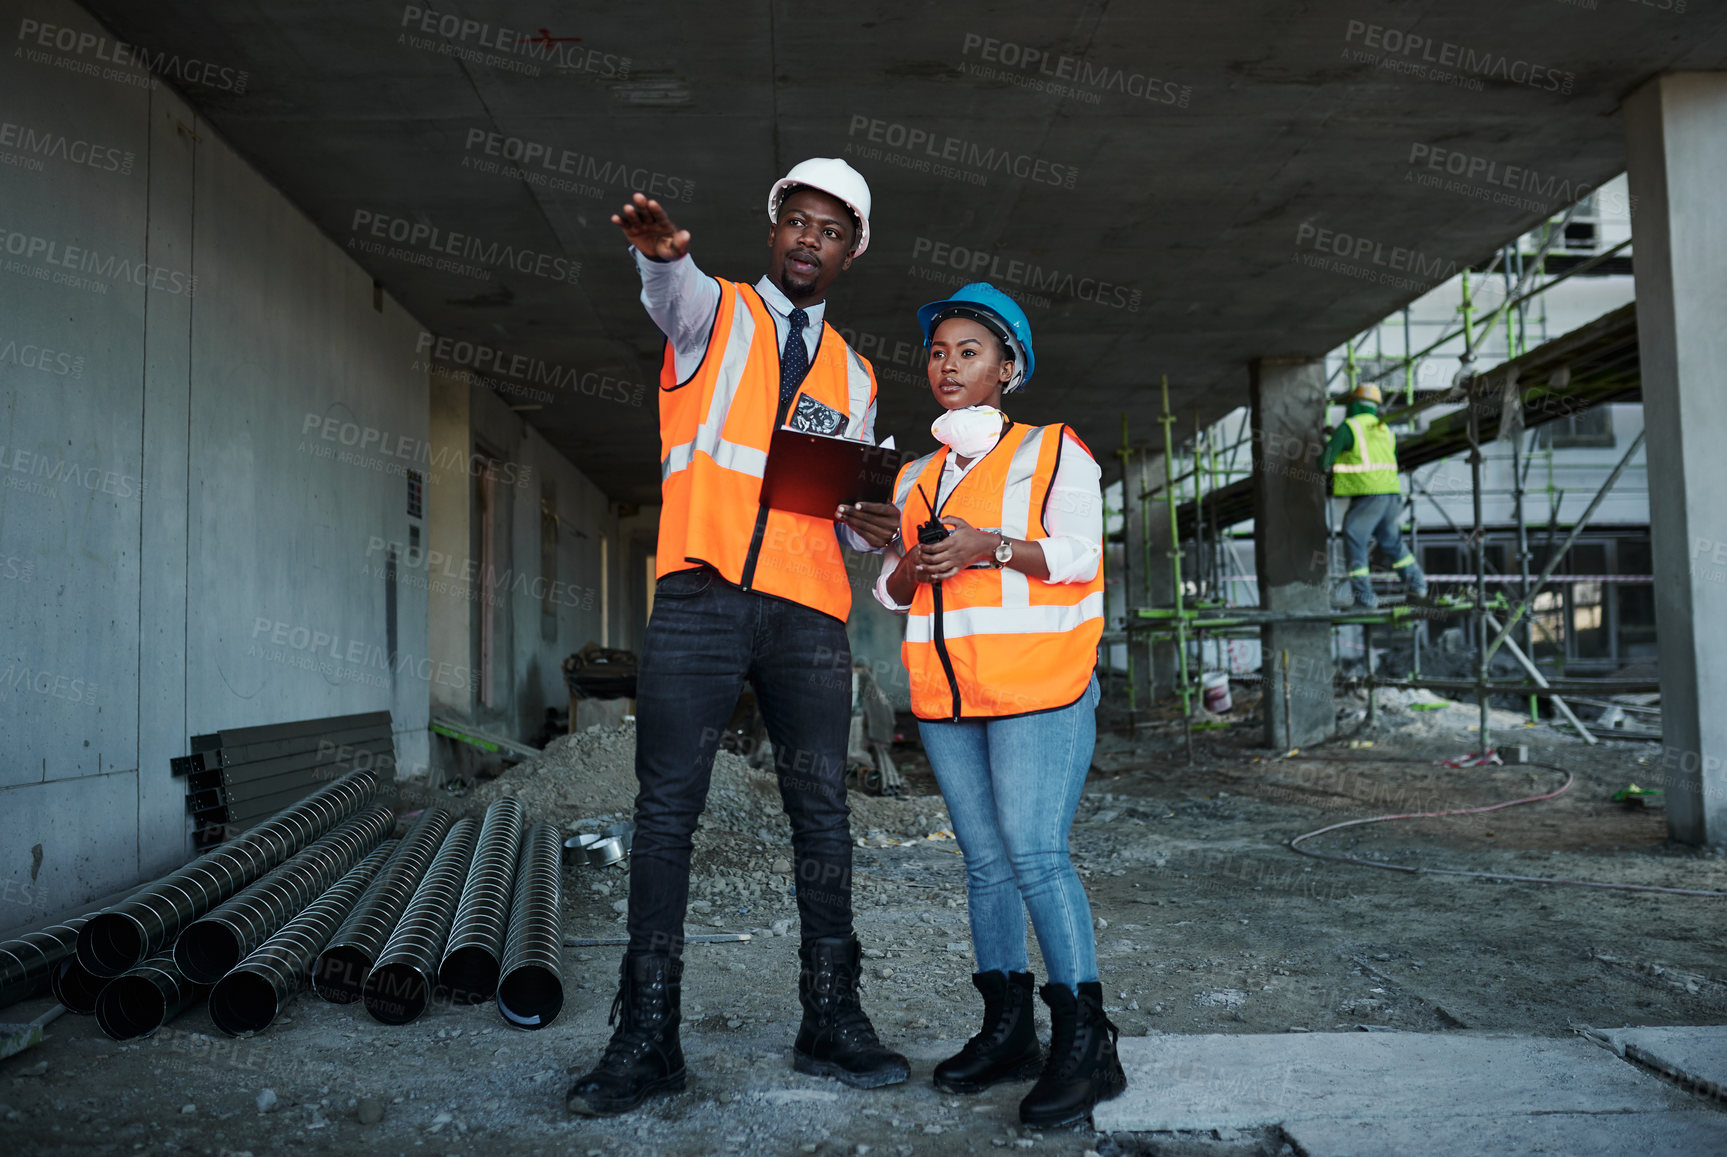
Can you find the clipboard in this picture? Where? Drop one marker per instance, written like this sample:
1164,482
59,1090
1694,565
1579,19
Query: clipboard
811,474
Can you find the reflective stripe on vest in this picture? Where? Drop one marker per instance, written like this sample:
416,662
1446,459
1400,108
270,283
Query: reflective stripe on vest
1013,644
1369,465
715,430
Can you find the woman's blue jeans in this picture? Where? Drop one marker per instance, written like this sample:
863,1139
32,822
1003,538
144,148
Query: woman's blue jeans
1012,786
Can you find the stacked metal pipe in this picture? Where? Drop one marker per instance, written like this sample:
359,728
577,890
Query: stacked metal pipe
75,987
221,938
28,963
119,938
532,989
141,1000
469,970
341,969
256,990
400,985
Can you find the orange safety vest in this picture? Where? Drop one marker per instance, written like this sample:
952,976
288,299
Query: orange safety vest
714,432
1002,643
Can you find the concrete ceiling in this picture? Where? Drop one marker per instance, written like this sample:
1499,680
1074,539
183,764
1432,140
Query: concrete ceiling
1207,145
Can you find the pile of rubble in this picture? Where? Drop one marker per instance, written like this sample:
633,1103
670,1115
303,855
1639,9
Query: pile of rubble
741,872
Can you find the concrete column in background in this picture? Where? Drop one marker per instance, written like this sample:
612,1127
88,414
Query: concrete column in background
1676,146
1287,396
1160,580
1154,664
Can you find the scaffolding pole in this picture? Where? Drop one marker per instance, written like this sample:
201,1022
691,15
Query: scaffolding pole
1559,555
1168,420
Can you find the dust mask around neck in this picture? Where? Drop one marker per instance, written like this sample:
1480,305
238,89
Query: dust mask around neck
971,432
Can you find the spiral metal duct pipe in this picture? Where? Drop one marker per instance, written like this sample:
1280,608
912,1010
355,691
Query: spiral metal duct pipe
343,964
118,938
27,963
74,986
138,1002
532,989
400,985
257,989
469,971
221,938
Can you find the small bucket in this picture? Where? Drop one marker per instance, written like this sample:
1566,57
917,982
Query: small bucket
605,851
1216,687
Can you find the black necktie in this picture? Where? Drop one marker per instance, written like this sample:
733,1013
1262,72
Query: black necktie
794,359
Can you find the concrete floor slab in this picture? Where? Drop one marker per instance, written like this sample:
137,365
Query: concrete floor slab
1677,1134
1696,1053
1254,1080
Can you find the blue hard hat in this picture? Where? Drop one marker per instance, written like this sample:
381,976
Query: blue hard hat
984,303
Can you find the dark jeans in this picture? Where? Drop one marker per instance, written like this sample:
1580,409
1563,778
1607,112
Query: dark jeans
704,639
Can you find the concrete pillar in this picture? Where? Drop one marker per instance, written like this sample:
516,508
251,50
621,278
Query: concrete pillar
1288,414
1160,580
1676,145
1148,583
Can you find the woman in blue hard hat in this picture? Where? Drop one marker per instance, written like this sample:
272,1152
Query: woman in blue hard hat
997,569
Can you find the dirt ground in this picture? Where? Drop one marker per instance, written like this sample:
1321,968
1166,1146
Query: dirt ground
1207,922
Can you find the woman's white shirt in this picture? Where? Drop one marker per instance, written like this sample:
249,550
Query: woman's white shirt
1073,518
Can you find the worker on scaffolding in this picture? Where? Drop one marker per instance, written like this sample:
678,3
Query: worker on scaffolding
1362,456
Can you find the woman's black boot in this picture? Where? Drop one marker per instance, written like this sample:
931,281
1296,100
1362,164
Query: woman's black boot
1083,1068
1006,1048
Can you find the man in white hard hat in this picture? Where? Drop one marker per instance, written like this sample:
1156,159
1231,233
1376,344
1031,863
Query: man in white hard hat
746,592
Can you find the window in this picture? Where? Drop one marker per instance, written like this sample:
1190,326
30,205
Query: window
1581,232
1591,428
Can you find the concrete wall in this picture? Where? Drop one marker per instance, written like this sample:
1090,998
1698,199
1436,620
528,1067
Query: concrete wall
182,547
538,617
202,483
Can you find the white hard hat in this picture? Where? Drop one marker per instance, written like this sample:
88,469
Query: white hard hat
834,177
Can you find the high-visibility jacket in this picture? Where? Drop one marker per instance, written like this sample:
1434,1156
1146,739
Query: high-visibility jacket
998,642
1369,466
714,432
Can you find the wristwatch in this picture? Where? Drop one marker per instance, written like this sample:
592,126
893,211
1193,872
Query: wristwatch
1003,550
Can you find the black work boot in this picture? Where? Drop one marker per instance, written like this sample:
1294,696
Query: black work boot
1083,1068
1006,1048
644,1056
836,1039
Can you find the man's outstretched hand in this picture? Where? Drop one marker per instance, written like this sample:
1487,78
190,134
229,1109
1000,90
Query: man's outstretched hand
649,229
